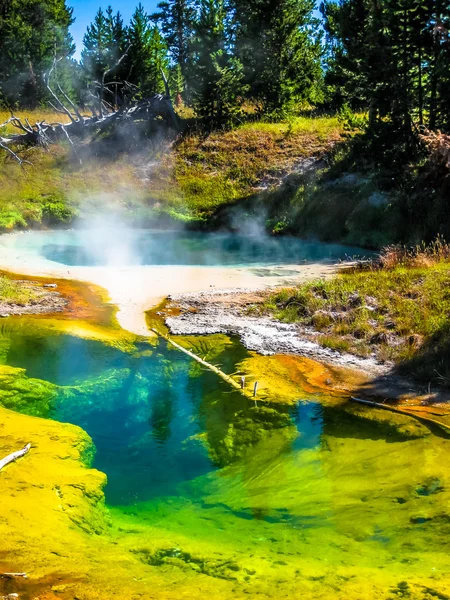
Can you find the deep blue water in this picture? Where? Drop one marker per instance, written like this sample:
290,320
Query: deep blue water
157,419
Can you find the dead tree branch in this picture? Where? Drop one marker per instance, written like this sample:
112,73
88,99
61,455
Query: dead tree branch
14,456
156,107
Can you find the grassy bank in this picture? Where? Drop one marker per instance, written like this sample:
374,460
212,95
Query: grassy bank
397,312
188,180
13,292
254,172
205,173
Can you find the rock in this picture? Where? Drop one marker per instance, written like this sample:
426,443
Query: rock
354,300
379,338
4,315
50,285
371,301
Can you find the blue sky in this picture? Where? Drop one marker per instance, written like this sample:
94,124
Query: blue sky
84,12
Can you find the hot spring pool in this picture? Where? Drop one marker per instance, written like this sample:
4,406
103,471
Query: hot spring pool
121,247
210,494
299,484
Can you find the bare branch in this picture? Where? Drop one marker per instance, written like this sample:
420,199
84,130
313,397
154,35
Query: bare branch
166,83
14,456
107,72
77,112
14,155
59,110
57,100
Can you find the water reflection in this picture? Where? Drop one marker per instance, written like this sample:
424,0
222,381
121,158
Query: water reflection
163,427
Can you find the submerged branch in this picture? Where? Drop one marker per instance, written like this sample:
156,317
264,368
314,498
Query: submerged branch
14,456
402,411
237,386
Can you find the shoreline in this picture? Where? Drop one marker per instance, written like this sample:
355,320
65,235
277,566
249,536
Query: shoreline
229,312
46,300
137,289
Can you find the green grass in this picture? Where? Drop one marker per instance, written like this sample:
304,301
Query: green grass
400,315
323,127
204,173
12,292
189,181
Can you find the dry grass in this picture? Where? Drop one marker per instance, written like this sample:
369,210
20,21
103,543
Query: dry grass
50,116
420,256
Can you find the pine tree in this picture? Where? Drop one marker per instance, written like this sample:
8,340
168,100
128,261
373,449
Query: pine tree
32,34
278,43
177,18
105,44
105,41
147,54
439,65
393,58
215,77
95,53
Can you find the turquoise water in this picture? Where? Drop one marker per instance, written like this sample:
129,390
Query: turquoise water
125,247
142,410
309,488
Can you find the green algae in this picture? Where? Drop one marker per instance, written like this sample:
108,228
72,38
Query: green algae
304,496
23,394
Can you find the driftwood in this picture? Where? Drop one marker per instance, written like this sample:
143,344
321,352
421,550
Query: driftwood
14,575
402,411
103,118
234,384
14,456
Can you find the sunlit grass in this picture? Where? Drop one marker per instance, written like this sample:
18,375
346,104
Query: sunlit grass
206,172
391,314
47,115
12,292
317,126
188,181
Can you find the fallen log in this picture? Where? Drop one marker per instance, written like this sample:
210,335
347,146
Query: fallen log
234,384
14,456
402,411
104,117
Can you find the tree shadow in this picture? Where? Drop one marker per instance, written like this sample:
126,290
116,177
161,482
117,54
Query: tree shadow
426,374
431,364
316,200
